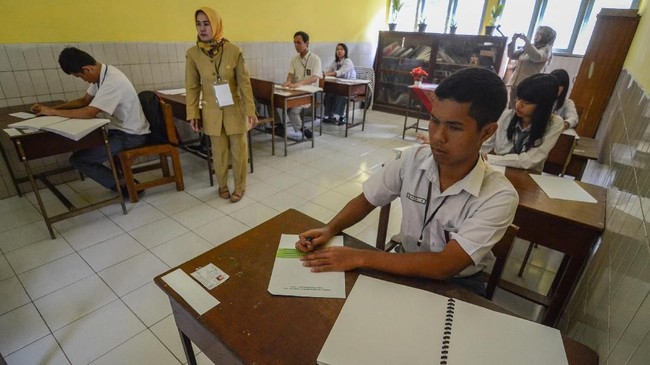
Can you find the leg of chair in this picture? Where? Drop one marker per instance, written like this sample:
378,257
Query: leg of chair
178,170
526,257
208,152
250,150
164,165
129,181
382,228
365,109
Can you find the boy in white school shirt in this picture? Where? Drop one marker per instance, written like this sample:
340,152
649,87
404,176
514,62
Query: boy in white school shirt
455,206
111,92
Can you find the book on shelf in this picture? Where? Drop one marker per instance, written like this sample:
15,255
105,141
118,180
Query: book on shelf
74,129
387,323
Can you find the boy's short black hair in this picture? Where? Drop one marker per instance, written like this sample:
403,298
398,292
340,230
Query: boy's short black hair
483,89
303,35
73,59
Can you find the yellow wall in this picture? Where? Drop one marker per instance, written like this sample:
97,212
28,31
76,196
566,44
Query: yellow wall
637,58
50,21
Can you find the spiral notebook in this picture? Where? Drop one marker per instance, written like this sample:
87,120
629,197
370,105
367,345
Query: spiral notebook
387,323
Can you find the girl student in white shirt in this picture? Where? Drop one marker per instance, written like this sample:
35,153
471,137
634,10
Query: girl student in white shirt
342,67
564,107
527,133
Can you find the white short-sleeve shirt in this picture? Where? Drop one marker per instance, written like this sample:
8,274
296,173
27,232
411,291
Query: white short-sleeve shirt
475,211
115,95
304,67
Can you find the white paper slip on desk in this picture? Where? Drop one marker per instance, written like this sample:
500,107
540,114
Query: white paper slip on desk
560,188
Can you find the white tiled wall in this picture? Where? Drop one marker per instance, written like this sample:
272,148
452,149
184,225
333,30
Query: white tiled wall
610,310
30,73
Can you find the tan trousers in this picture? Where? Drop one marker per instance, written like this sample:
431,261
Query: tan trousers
237,145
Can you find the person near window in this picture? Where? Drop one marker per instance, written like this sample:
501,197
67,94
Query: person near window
455,207
305,69
527,133
565,107
531,58
215,69
342,67
110,93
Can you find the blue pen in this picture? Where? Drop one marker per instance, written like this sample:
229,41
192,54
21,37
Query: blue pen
309,239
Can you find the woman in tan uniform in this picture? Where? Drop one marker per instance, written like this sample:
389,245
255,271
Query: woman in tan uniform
215,72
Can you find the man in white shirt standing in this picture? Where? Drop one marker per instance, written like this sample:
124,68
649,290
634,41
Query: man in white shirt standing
111,93
305,69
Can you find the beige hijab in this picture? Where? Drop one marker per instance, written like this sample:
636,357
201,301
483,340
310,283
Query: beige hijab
211,47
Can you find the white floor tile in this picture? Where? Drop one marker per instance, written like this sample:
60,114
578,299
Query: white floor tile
331,200
308,190
175,203
38,253
149,303
54,275
180,249
283,181
22,236
167,332
261,189
45,351
158,232
13,295
254,214
202,359
198,216
110,252
19,217
316,211
143,349
228,207
87,229
138,216
20,327
74,301
5,269
14,203
88,338
282,201
221,230
133,273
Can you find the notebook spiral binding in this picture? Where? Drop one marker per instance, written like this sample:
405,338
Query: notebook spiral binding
446,336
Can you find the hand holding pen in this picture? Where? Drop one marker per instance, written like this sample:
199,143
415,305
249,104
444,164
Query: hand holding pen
310,240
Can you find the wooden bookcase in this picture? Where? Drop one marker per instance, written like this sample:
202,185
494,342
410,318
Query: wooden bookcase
440,54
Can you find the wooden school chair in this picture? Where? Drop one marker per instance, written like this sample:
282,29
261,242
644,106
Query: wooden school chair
501,249
263,92
162,143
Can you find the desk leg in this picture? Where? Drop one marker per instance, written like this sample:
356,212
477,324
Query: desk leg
111,163
313,119
41,206
11,171
347,113
366,105
284,122
562,292
187,348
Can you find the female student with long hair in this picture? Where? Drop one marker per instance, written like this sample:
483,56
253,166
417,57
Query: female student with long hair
531,58
565,107
216,67
342,67
527,133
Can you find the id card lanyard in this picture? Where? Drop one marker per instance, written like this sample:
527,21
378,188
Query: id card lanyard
426,220
221,88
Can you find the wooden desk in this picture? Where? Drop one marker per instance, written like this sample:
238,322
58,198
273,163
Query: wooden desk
251,326
34,145
423,95
585,149
292,99
570,227
349,89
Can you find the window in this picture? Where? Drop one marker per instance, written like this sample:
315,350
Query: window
573,20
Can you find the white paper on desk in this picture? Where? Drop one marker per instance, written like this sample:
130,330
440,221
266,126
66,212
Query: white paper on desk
560,188
571,132
172,91
289,277
23,115
354,81
197,297
13,132
224,96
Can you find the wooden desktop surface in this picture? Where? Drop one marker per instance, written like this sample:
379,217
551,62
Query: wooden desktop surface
251,326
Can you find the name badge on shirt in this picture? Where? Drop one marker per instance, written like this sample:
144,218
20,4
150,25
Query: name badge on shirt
308,72
223,95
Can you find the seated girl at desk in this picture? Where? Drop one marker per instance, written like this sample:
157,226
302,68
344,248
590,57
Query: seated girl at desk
527,133
565,107
342,67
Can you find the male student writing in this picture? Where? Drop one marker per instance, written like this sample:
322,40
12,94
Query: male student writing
455,207
111,92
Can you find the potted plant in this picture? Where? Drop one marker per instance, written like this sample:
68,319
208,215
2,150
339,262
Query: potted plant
453,25
422,22
418,74
395,7
495,13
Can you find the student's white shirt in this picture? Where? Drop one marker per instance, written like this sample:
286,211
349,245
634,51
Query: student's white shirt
534,158
345,72
568,113
115,95
304,67
476,211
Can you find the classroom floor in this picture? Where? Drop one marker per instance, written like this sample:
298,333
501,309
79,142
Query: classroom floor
88,296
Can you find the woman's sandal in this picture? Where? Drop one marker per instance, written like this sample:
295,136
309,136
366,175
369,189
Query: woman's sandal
224,193
236,196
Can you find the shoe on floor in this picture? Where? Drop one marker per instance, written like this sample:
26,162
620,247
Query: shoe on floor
236,196
307,133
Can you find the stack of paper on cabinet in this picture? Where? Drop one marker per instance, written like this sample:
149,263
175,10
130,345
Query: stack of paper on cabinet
387,323
74,129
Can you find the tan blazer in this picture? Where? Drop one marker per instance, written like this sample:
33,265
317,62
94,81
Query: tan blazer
200,75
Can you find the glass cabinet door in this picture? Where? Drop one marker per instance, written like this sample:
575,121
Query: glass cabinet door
458,52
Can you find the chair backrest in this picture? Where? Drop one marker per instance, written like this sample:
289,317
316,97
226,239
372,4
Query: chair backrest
160,118
500,250
263,91
366,73
560,155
